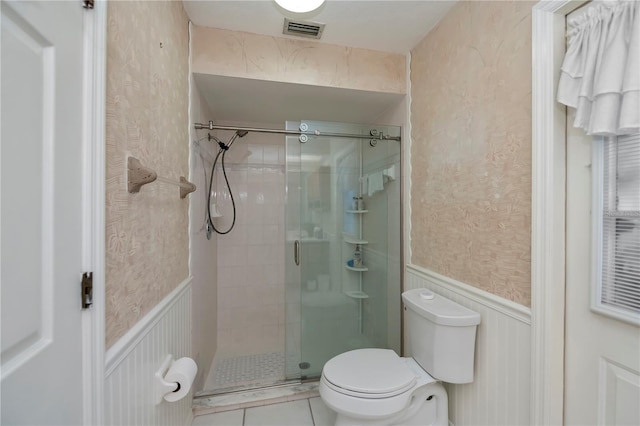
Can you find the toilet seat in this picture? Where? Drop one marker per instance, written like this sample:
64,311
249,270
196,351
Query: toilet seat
369,373
373,384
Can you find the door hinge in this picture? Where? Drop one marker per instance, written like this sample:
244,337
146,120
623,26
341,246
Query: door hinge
87,290
87,4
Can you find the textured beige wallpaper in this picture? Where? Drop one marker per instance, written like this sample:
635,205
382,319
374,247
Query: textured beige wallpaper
471,148
240,54
147,104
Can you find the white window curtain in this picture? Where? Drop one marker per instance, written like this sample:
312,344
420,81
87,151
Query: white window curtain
600,74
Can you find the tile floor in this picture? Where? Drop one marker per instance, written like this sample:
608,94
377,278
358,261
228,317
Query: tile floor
304,412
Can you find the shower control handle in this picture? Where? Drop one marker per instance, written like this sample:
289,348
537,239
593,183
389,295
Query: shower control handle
296,252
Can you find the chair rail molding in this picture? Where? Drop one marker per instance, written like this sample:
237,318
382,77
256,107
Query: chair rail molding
128,342
548,212
499,304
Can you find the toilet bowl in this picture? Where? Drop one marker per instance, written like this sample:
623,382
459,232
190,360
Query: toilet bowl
377,387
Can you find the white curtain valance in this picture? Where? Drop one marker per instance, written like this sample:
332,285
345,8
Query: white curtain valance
600,74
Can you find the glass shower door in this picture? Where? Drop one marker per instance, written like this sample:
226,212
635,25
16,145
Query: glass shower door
337,291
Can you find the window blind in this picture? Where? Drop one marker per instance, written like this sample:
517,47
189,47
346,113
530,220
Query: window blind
620,280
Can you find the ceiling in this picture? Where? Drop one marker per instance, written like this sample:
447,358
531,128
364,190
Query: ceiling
390,26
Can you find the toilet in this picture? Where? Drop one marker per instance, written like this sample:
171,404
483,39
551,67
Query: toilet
377,387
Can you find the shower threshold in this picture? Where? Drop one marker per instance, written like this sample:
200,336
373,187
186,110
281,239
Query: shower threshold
291,390
247,387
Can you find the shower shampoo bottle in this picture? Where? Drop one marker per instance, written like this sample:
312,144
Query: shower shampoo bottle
357,257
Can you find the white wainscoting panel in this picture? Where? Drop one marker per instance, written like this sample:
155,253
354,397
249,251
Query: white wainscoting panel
133,360
500,392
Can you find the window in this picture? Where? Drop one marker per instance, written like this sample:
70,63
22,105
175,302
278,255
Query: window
617,227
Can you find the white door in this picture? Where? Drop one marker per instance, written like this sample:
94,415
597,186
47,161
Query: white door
41,212
602,354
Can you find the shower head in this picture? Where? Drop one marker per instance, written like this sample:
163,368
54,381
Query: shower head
238,133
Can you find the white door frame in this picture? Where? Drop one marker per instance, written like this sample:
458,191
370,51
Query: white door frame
93,319
548,213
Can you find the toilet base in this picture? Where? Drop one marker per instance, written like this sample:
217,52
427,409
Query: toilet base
420,412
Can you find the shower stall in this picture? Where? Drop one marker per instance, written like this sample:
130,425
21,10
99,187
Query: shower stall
324,274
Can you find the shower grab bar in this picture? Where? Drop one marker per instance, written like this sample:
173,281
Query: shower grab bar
380,135
296,252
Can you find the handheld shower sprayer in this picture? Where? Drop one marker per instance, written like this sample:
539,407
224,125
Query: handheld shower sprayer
223,148
226,146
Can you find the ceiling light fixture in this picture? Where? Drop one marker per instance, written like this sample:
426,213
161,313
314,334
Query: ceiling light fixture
300,6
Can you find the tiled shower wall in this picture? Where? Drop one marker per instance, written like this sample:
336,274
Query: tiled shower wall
201,249
251,312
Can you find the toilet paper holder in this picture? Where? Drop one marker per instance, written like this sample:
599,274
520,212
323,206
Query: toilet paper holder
164,387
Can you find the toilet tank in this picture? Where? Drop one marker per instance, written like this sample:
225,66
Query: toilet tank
440,335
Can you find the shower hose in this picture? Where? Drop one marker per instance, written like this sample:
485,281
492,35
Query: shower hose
223,148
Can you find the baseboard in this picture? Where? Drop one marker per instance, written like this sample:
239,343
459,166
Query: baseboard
497,303
127,343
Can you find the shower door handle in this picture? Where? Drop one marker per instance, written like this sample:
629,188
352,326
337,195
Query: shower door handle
296,252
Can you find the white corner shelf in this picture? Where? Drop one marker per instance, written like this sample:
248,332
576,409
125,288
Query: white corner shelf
357,269
357,211
349,240
357,294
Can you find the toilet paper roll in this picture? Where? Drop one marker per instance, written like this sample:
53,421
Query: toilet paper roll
183,372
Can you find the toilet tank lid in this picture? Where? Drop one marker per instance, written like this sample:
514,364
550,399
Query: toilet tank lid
438,309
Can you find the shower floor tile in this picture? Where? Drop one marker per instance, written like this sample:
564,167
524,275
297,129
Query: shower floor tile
248,370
